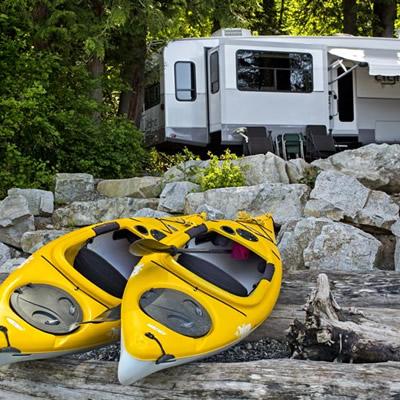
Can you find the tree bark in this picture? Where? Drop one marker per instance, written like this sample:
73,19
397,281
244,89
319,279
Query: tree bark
133,75
349,17
385,13
96,68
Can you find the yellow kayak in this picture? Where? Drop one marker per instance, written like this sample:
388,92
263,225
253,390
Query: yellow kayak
55,302
216,284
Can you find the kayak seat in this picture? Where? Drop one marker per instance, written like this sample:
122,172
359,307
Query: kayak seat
100,272
211,273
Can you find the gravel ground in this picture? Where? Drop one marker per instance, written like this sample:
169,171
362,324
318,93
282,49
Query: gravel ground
245,351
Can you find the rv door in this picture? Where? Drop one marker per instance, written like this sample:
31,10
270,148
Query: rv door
214,89
342,98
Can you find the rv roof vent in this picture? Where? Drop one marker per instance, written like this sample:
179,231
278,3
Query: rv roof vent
232,32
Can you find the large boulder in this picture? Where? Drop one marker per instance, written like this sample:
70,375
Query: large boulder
342,197
6,253
150,213
12,264
73,187
40,202
15,219
282,201
138,187
82,213
263,168
172,198
377,166
319,243
32,241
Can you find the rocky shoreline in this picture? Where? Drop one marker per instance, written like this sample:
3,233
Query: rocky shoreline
245,351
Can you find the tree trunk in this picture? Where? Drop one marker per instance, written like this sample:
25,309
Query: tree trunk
385,13
133,75
349,17
96,68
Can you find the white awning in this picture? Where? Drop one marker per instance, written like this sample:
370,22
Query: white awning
380,62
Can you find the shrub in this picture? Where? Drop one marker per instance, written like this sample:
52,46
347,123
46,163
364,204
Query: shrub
221,172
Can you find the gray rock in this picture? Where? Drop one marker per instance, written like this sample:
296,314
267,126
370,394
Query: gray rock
323,209
379,211
185,171
73,187
32,241
172,198
150,213
12,264
5,253
212,213
138,187
318,243
397,255
342,191
40,202
295,169
282,201
338,196
15,219
377,166
82,213
263,168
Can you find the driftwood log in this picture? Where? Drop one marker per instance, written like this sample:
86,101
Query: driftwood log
377,294
332,333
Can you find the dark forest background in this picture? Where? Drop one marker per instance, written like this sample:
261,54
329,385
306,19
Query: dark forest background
72,72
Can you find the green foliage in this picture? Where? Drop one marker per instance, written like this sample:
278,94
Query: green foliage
158,162
221,172
310,175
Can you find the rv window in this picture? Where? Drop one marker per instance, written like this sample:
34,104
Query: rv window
185,82
152,96
214,72
273,71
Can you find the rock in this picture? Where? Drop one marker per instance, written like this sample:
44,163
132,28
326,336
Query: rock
263,168
212,213
295,169
185,171
397,255
73,187
5,253
32,241
319,243
342,197
138,187
40,202
379,211
82,213
15,219
172,198
323,209
281,200
377,166
150,213
12,264
342,191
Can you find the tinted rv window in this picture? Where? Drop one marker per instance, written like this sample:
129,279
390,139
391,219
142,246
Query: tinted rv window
273,71
152,95
214,72
185,82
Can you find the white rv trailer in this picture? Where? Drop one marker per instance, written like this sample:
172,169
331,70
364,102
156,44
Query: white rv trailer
211,86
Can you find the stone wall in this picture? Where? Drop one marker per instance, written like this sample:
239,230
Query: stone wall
348,221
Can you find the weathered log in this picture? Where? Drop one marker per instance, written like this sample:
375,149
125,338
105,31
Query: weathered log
375,293
266,379
330,332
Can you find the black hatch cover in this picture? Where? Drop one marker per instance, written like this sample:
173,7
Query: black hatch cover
47,308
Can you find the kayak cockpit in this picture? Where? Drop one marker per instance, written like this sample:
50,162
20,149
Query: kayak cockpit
105,260
236,274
